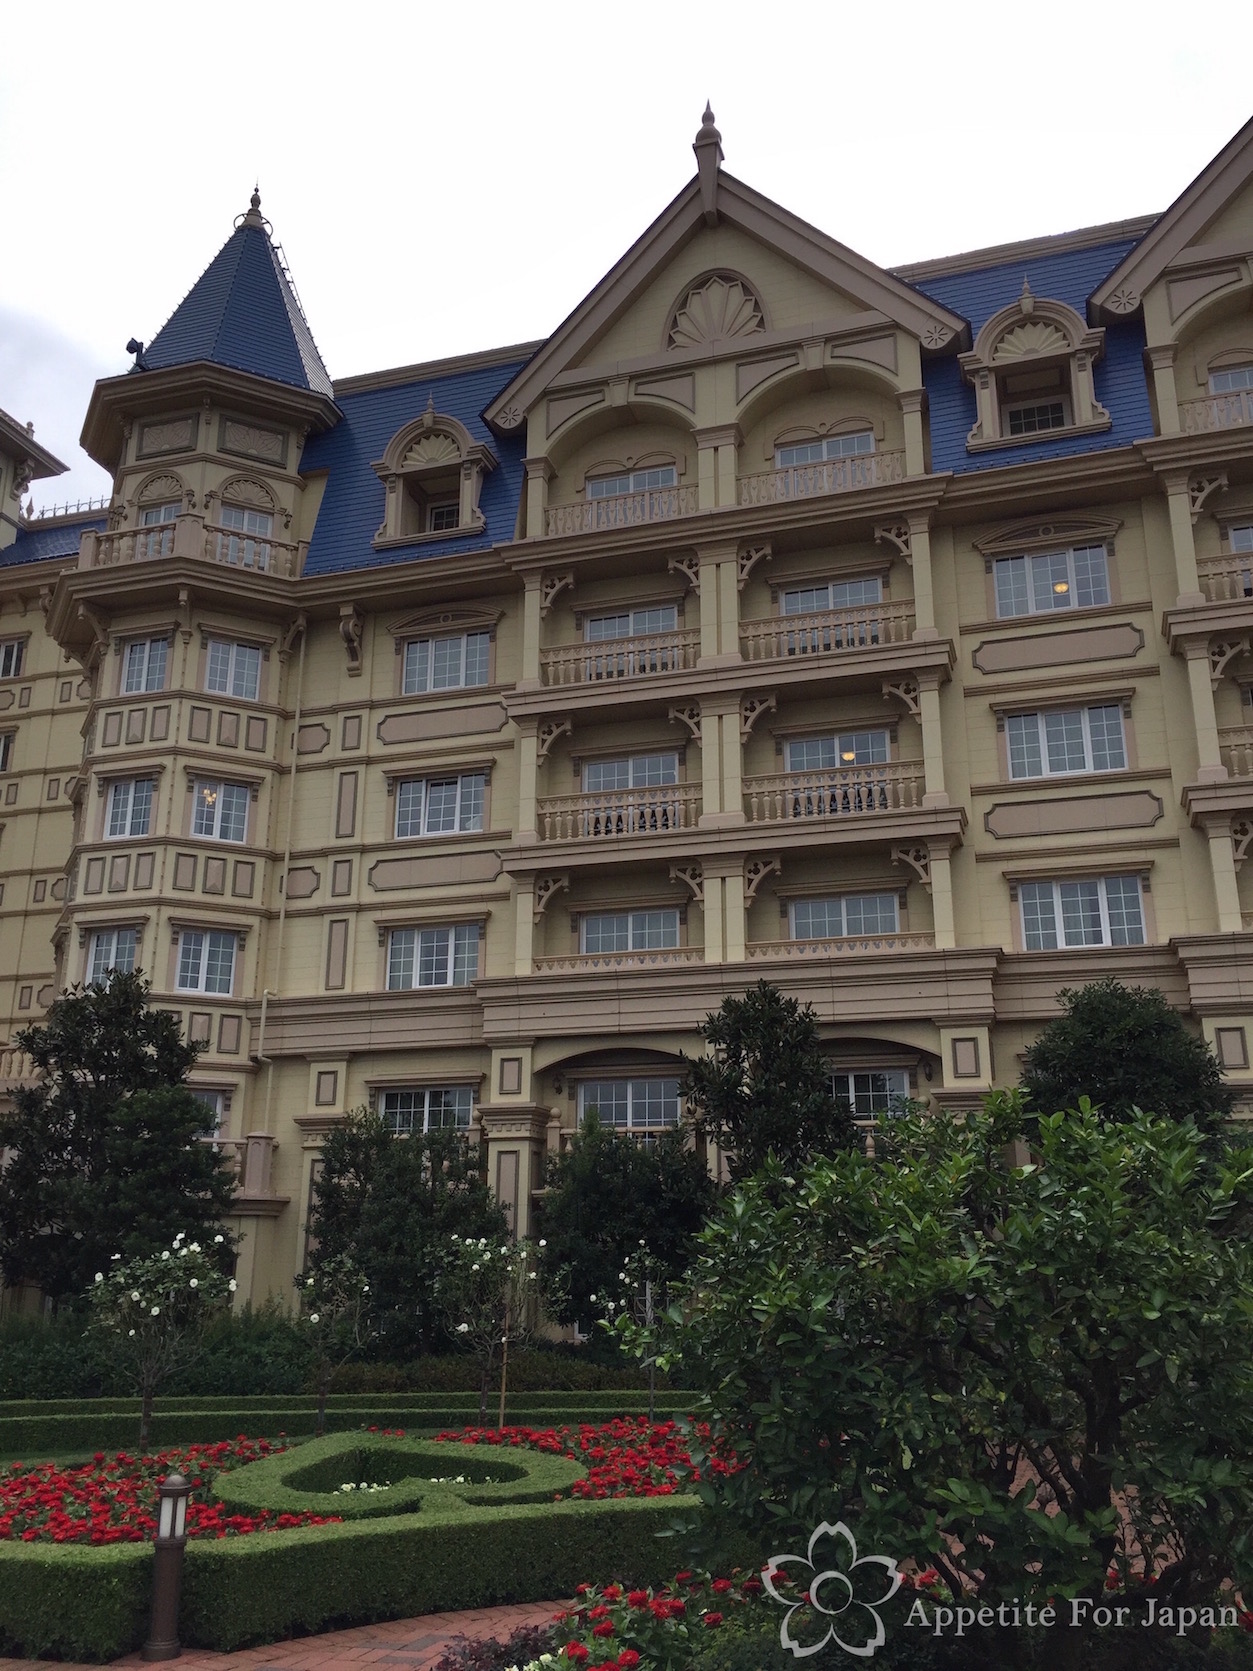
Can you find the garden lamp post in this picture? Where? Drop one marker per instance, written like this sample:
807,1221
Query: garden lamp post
167,1567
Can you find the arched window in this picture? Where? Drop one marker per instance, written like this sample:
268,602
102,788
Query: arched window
1031,368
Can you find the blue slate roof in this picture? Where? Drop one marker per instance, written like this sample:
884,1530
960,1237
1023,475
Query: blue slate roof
352,506
1118,376
242,312
33,544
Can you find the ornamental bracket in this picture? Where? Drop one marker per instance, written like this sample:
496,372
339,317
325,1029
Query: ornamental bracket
688,566
749,557
751,710
546,889
918,859
687,713
897,534
755,873
1200,488
352,631
906,691
547,734
694,876
1223,651
551,587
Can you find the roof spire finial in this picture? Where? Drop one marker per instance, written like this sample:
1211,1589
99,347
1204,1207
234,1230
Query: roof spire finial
253,217
708,149
1026,302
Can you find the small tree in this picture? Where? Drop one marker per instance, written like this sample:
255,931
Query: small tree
152,1312
766,1089
1124,1048
490,1294
336,1302
606,1193
105,1148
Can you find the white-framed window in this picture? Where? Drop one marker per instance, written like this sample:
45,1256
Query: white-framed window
432,957
844,916
1075,579
145,664
244,539
233,669
12,654
6,750
846,748
1091,911
871,1092
1035,417
1240,537
446,663
857,444
215,1109
441,518
112,948
427,1108
157,525
130,807
1062,741
220,810
835,594
440,806
1231,380
632,481
631,623
631,1105
629,931
638,771
206,960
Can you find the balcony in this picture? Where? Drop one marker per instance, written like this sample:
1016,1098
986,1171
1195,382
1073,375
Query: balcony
1235,744
189,537
624,510
1227,579
599,962
812,481
842,792
646,657
856,946
1203,417
250,1162
16,1069
827,632
609,814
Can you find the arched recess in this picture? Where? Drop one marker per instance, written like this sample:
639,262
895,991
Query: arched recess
636,436
570,1078
842,397
433,471
1215,335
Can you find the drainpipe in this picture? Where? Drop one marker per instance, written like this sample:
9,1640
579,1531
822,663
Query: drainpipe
267,993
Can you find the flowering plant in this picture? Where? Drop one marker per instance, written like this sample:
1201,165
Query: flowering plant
614,1629
335,1301
489,1294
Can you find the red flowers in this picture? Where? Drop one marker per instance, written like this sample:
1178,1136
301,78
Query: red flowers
576,1651
115,1501
604,1629
712,1620
628,1659
656,1627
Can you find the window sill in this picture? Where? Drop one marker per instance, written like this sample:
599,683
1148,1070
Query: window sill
389,542
999,443
1056,617
1071,780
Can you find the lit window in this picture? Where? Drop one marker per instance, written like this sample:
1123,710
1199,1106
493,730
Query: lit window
632,481
1231,380
130,807
11,656
443,517
839,594
1065,740
446,663
112,948
440,806
818,452
628,931
206,961
245,537
878,1091
1077,579
144,668
432,957
850,916
233,670
428,1108
847,748
158,538
631,623
1096,911
631,1105
221,810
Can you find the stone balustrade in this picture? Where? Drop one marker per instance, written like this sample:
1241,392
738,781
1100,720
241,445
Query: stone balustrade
647,656
836,792
623,510
1230,411
832,475
189,537
827,631
1228,578
1235,744
607,814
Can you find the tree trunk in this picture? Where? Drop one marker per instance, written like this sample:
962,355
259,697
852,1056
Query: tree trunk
324,1387
145,1416
504,1368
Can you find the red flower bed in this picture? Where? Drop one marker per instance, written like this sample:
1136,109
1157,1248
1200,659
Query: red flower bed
114,1500
627,1457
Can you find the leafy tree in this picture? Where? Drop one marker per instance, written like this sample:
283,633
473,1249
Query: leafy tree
491,1296
105,1150
936,1348
607,1193
392,1203
336,1303
1125,1049
766,1088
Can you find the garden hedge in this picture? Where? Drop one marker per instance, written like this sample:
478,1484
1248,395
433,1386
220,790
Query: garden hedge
69,1601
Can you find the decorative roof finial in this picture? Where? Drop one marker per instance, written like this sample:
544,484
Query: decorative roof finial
708,149
254,216
1026,302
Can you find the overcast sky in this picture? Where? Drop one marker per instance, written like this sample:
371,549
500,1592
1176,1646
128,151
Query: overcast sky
451,177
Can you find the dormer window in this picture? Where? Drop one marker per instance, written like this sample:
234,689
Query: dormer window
433,470
828,446
442,518
1031,368
632,481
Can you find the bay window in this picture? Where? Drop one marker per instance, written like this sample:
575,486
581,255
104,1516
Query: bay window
145,664
233,669
220,810
130,807
206,961
111,948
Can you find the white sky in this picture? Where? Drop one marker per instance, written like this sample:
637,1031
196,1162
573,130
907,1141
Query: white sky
452,177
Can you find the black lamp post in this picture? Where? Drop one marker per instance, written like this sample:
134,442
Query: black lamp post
167,1567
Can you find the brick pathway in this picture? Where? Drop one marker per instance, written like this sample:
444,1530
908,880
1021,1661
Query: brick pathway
407,1644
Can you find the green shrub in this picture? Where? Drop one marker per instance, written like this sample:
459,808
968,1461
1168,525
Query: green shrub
64,1601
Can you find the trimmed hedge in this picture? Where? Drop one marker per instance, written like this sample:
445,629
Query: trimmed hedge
70,1601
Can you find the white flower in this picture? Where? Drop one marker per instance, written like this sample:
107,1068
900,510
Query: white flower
532,1275
184,1250
134,1293
313,1316
178,1238
232,1285
218,1239
156,1311
115,1256
365,1287
463,1328
130,1334
193,1283
99,1276
642,1242
474,1267
543,1243
166,1254
592,1298
195,1247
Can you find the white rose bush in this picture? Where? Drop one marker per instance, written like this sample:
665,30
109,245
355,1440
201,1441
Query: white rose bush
339,1312
491,1294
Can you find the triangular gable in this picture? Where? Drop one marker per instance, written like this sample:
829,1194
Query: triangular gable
737,205
1177,230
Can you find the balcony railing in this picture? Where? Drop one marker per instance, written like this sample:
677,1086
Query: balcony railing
834,475
589,962
839,792
610,813
16,1068
250,1161
624,510
1235,744
1201,417
828,631
645,657
1226,579
853,946
189,537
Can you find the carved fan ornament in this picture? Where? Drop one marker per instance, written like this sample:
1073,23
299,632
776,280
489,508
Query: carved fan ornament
1034,336
160,490
432,448
721,306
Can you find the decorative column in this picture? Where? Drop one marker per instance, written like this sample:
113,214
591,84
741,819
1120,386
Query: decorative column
1198,655
941,867
715,947
1179,500
532,602
1162,363
528,777
516,1137
912,538
935,793
539,472
524,925
1223,863
912,404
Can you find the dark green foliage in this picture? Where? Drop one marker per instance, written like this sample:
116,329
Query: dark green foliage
67,1601
607,1193
766,1088
521,1647
1124,1048
106,1154
391,1205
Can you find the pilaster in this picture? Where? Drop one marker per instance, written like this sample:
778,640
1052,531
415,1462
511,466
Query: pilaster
1161,362
1210,768
516,1138
1179,502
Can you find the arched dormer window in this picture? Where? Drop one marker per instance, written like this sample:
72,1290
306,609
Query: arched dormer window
1031,368
433,471
159,502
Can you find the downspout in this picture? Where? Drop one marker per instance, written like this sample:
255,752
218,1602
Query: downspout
268,993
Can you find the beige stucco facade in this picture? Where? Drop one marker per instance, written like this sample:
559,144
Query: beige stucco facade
729,334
